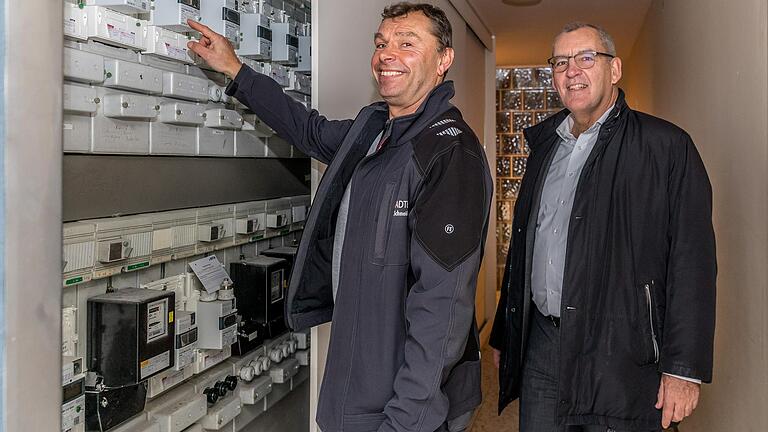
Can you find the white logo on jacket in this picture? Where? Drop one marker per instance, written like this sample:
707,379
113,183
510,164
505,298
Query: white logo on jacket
401,208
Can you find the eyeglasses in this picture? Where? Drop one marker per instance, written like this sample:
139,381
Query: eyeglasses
584,60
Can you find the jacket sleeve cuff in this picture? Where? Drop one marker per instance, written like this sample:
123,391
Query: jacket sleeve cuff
245,74
693,380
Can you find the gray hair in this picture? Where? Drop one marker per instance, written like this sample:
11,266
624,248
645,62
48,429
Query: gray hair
605,38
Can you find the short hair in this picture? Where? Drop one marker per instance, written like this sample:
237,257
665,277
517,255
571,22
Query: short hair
605,38
441,27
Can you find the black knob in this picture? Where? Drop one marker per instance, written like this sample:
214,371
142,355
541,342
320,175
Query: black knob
221,388
231,382
211,395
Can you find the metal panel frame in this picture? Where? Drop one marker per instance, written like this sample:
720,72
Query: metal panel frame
32,231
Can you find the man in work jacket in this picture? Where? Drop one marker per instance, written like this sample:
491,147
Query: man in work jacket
394,240
607,310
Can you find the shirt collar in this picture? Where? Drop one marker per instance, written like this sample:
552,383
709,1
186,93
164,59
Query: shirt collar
564,130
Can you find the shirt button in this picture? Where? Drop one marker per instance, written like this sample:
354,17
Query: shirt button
555,230
550,262
562,202
570,174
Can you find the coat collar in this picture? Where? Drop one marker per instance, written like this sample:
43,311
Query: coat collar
408,126
547,130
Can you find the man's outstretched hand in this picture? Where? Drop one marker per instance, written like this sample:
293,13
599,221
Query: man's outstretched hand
215,49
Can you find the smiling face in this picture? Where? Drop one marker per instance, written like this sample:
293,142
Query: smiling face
406,62
587,93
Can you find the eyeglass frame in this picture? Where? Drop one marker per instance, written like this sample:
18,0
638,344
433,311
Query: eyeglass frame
551,60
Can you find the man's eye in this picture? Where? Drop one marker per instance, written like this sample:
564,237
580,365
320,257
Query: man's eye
407,44
380,46
561,62
587,58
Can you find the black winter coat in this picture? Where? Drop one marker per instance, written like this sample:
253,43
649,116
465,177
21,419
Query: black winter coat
638,296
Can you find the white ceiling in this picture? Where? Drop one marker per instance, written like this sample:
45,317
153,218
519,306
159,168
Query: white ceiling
524,33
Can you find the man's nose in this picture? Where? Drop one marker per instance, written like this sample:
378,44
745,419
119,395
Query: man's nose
572,70
386,55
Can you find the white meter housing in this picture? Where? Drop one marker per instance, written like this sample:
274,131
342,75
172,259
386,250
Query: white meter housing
161,42
223,18
114,28
173,14
122,6
114,250
255,37
210,232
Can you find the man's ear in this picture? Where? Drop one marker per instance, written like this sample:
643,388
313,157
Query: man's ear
446,60
615,70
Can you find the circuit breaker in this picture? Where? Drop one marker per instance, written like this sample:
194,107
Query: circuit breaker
161,42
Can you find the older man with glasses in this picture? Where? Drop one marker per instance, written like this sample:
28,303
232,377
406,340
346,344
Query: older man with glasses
607,312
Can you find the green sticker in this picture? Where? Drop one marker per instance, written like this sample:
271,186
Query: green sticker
137,266
73,280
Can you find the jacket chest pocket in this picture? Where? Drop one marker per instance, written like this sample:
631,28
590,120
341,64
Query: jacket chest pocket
390,245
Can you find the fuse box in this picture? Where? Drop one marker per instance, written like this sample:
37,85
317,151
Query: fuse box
183,86
226,119
73,395
131,106
83,66
80,100
132,76
178,409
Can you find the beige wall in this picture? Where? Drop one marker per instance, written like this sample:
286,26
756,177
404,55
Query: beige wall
703,64
342,84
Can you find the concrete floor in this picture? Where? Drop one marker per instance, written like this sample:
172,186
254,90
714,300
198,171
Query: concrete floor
486,419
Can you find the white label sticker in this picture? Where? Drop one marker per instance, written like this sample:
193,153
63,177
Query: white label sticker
276,286
157,320
155,364
210,272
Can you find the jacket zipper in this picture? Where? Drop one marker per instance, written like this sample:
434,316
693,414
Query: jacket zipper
650,321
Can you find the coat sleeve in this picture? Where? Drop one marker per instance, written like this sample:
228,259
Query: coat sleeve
305,129
689,321
446,248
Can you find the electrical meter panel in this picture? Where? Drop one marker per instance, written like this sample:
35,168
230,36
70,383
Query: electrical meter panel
130,335
80,100
217,324
260,285
173,14
130,339
79,252
161,42
123,6
285,42
114,28
222,16
256,39
73,395
74,22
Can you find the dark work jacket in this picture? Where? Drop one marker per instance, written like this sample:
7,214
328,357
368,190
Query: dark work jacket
403,352
638,295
